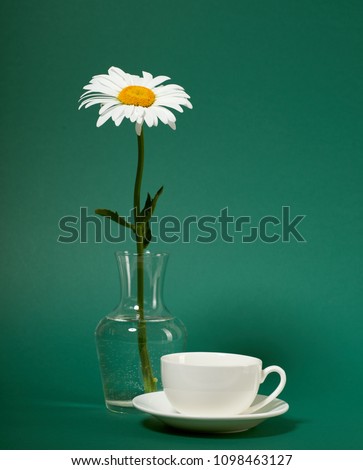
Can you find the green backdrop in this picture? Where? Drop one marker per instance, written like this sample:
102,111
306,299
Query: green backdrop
277,121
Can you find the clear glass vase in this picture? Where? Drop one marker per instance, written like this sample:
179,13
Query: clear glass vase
118,334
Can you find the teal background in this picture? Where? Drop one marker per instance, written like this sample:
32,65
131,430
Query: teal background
277,120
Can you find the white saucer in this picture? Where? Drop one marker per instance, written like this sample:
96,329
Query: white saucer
158,405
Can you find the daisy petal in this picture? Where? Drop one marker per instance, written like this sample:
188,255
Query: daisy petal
133,117
159,112
117,71
137,113
147,77
103,118
129,110
99,88
169,115
108,105
117,112
107,82
91,101
175,106
149,118
157,80
119,120
140,111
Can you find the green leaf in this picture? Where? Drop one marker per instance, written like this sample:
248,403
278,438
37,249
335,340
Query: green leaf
150,205
147,207
155,200
115,217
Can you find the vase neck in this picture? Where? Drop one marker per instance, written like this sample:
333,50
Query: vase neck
153,267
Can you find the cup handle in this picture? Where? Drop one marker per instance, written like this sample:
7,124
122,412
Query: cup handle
274,394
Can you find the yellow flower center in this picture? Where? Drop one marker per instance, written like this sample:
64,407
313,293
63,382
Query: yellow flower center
137,95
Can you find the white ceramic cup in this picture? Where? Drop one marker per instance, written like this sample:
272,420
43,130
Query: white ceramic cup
215,384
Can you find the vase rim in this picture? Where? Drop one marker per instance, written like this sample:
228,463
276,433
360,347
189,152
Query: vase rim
148,254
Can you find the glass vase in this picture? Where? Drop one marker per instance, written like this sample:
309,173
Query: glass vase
126,339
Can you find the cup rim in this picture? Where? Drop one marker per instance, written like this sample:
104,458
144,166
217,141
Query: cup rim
170,359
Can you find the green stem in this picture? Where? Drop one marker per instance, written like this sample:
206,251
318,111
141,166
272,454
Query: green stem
149,381
139,172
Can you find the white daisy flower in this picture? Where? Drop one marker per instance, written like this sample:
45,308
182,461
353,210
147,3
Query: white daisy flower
140,99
